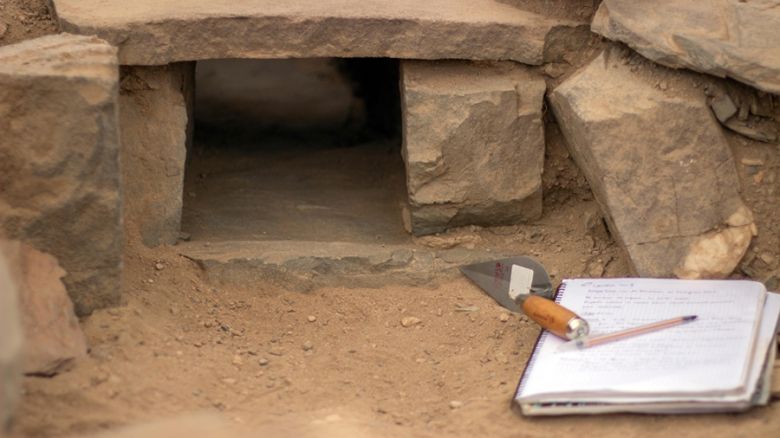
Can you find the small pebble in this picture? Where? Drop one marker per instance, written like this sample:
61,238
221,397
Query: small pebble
159,266
752,161
263,361
455,404
504,317
768,258
312,318
237,360
307,346
408,321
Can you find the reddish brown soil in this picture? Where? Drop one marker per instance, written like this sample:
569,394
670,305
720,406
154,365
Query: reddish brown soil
24,19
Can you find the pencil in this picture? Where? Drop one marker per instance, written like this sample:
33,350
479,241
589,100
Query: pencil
634,331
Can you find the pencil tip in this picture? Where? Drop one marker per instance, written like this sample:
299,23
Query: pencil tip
690,317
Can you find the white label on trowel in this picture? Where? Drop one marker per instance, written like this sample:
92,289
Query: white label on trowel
520,281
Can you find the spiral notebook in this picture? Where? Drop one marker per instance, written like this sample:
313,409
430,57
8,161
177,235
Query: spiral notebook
720,362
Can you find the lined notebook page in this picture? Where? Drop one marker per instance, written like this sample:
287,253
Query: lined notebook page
709,355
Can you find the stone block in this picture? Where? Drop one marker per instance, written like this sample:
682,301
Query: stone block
156,118
10,345
658,164
473,143
163,32
720,37
59,159
52,335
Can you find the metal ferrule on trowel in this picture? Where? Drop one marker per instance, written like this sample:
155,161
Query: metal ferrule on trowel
552,316
522,283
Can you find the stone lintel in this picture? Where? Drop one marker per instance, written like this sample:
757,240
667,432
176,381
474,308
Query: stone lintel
153,32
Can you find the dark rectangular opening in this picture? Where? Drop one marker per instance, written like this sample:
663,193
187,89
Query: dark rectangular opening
296,149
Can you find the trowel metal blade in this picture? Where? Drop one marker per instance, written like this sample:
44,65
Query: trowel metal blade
493,277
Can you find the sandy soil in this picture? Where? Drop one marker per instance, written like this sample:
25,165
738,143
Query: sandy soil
338,361
24,19
273,361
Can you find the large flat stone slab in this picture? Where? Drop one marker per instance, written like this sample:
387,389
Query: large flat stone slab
719,37
473,143
59,159
658,164
163,31
307,265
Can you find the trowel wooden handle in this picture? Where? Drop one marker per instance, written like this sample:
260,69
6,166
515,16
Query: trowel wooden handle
554,317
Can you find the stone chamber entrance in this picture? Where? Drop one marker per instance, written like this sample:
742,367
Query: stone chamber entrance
297,149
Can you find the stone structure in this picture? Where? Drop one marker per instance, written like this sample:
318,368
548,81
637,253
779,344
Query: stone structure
473,143
10,345
502,112
162,32
156,120
59,159
659,165
473,132
720,37
52,336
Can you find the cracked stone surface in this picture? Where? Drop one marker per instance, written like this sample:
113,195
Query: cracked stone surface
154,32
719,37
660,167
59,159
473,143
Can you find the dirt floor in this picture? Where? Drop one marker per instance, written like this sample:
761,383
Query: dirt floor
271,361
337,361
302,188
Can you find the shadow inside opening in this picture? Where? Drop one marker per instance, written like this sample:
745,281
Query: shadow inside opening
299,149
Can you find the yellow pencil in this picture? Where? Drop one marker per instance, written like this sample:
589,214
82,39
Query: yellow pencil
592,341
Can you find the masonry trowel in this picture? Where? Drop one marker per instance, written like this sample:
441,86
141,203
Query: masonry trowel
521,283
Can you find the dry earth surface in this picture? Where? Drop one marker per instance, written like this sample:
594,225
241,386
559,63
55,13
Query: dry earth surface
339,361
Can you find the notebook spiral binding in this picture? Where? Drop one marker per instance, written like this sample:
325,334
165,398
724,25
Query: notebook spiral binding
530,365
559,293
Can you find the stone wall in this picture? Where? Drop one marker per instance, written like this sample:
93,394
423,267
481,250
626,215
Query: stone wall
59,159
156,117
473,143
